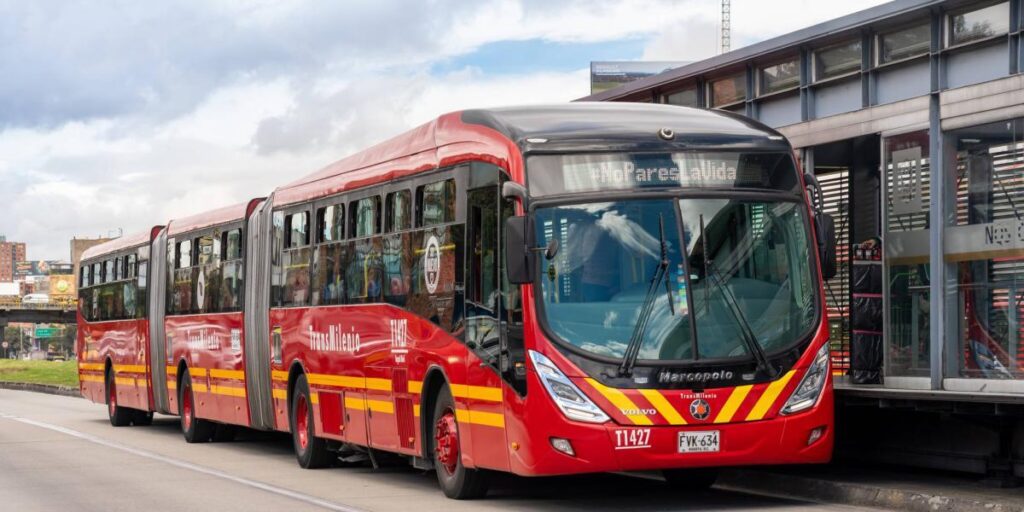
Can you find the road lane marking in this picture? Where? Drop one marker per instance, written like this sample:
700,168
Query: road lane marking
280,491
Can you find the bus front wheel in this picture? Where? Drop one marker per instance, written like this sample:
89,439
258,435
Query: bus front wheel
457,481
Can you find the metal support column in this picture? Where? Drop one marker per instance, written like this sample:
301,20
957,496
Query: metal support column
936,241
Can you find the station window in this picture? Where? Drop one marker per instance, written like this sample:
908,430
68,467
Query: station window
231,244
904,44
331,223
840,60
968,26
686,98
728,90
436,203
365,216
779,77
297,234
396,208
184,254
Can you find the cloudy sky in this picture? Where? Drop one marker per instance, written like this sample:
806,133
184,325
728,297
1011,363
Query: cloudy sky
123,114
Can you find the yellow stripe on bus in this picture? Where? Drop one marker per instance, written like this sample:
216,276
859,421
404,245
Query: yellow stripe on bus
279,375
227,374
355,402
172,384
768,398
381,406
416,410
416,386
91,378
733,403
197,372
130,368
227,390
476,392
344,381
279,393
620,400
127,381
96,367
490,419
172,370
199,388
661,404
378,384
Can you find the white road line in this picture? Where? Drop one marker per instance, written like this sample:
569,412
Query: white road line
186,465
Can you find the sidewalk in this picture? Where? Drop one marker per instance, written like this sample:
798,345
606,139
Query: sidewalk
41,388
884,487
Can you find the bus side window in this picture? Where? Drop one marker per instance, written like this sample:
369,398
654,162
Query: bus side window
276,255
296,259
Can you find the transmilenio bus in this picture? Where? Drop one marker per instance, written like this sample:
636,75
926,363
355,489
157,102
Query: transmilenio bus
543,291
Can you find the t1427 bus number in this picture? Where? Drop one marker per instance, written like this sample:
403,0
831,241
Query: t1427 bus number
631,438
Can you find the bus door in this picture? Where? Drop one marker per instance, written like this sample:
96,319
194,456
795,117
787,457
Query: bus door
483,334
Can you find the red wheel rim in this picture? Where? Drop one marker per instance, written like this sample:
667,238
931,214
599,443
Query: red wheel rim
112,399
446,441
186,407
302,421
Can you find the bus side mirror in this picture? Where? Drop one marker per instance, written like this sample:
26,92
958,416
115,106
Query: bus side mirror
518,258
826,231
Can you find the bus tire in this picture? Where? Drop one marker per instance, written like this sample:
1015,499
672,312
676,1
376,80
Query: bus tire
119,416
310,451
224,433
194,429
691,479
457,481
142,418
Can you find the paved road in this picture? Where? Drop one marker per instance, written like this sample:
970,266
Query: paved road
60,453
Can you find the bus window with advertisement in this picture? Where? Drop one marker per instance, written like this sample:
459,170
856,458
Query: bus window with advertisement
536,290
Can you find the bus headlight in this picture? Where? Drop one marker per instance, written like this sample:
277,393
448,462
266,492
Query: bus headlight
573,403
807,393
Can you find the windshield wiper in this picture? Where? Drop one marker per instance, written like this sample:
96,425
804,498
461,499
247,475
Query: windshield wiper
746,332
636,339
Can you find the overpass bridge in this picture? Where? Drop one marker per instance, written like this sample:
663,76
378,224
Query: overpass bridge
62,312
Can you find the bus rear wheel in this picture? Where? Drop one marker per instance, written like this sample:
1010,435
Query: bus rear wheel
119,416
695,479
457,481
194,429
310,451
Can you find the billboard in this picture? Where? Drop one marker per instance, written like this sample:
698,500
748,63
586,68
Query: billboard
606,75
41,268
62,285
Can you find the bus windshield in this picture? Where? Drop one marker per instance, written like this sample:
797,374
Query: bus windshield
734,265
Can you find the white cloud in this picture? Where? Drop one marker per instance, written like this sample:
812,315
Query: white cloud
124,115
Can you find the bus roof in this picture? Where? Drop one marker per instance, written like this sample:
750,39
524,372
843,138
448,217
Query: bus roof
111,246
498,133
618,126
233,213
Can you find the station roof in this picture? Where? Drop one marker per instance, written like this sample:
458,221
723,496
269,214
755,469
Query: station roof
769,46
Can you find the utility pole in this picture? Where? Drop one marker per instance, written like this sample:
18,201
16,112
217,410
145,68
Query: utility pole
726,30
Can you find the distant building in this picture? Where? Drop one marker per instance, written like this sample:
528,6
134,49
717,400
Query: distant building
78,246
10,254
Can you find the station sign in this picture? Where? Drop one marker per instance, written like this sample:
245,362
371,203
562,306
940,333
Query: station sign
47,332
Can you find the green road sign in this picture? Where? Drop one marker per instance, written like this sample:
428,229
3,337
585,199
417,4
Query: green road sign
47,332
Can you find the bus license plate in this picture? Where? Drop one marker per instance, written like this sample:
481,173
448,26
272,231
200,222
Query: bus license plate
699,442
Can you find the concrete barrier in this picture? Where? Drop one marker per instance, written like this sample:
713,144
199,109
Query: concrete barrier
41,388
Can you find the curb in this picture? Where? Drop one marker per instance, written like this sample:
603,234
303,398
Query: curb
859,494
41,388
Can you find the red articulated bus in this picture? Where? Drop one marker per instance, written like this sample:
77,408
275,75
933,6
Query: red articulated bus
537,290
